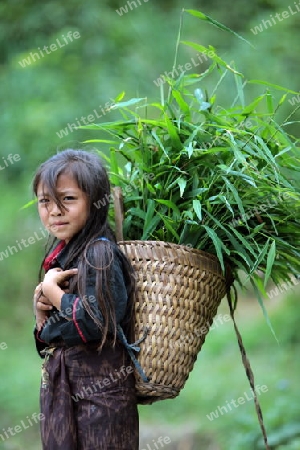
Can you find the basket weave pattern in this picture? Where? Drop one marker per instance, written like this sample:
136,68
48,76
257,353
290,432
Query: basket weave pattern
178,293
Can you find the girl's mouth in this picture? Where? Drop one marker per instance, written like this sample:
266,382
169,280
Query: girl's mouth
58,224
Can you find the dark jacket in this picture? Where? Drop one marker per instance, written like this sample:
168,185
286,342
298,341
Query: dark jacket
82,328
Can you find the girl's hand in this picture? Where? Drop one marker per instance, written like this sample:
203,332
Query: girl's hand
56,277
41,306
54,284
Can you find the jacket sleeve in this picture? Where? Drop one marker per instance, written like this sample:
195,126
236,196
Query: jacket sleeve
80,327
39,343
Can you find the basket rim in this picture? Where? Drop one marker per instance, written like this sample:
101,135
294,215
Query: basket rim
171,245
228,276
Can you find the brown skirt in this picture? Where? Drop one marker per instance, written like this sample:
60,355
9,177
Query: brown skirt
88,400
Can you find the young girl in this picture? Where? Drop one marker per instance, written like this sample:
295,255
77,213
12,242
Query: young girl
84,312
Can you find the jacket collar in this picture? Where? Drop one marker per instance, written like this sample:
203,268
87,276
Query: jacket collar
58,256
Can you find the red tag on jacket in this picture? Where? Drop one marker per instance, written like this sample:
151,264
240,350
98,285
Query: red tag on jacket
47,264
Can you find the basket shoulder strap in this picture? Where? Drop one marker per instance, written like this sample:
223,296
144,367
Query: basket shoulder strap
131,348
248,369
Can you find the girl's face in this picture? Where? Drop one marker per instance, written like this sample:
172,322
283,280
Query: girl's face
65,223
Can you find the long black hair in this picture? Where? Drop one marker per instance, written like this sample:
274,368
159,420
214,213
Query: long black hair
87,169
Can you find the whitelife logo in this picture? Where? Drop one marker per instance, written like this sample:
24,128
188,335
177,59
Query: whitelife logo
279,17
236,403
85,120
11,250
53,47
199,59
24,425
294,100
9,160
132,5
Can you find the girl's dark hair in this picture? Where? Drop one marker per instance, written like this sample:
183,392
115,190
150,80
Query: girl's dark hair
87,170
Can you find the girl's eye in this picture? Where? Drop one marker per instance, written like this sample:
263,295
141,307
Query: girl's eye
43,200
69,197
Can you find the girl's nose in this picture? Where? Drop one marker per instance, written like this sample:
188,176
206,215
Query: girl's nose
55,210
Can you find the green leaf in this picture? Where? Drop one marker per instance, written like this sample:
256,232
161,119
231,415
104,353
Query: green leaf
270,262
114,167
240,89
120,97
270,104
32,202
274,86
250,108
235,195
260,301
148,225
173,131
189,149
182,185
214,22
197,209
170,205
217,244
213,55
168,224
181,103
138,213
101,141
151,225
132,101
259,259
244,242
158,140
103,156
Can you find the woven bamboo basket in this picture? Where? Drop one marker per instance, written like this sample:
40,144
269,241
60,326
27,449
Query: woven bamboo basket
178,293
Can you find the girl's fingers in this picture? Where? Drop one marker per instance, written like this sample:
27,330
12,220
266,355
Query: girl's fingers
38,288
43,306
44,300
69,272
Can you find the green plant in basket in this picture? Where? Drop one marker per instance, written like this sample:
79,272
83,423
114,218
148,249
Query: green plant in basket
221,179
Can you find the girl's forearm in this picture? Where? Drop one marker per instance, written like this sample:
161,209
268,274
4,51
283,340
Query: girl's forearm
54,293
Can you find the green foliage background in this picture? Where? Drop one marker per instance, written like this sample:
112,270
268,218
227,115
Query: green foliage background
113,54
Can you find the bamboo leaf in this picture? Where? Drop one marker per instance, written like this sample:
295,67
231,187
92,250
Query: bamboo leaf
138,213
240,89
173,133
250,108
270,262
120,97
259,258
181,102
170,205
235,195
217,244
197,209
152,224
214,22
216,58
168,224
101,141
132,101
150,220
270,104
244,242
182,185
32,202
260,301
114,167
274,86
